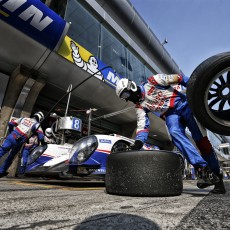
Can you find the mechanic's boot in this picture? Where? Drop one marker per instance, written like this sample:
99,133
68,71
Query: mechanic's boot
206,177
219,187
2,174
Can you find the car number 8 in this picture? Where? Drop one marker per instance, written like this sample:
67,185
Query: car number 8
77,124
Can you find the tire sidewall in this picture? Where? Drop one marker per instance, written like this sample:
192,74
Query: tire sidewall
200,79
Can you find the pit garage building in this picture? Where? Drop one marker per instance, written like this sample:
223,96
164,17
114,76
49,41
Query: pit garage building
48,46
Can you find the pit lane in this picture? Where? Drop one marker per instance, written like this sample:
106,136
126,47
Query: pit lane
54,204
80,185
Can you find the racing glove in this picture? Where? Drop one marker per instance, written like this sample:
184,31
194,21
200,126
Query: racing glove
10,128
43,143
137,145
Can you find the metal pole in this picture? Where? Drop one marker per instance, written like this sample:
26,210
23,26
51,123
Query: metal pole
89,121
114,113
67,106
66,112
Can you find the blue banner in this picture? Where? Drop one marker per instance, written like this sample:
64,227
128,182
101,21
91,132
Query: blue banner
35,19
109,75
78,55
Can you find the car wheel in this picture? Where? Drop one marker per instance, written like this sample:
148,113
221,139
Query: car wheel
208,93
120,146
144,173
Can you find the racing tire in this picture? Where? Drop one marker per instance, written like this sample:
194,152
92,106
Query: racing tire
144,173
208,93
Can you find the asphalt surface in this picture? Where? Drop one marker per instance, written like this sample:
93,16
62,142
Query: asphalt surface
49,204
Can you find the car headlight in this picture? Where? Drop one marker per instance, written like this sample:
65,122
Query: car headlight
83,149
37,152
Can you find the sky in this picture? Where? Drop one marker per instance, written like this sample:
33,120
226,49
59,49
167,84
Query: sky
195,29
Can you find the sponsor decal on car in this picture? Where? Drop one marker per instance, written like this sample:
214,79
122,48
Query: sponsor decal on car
97,170
105,141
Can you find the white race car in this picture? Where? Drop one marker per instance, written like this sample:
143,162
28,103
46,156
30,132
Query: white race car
85,158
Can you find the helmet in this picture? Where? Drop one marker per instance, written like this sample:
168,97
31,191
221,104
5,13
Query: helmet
48,132
39,116
124,86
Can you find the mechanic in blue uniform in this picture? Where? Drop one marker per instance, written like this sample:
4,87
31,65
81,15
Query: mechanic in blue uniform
33,142
20,130
27,149
162,94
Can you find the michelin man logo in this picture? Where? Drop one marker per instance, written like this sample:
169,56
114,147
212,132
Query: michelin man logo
91,66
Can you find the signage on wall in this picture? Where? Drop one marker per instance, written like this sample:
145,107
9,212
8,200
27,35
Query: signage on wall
78,55
34,19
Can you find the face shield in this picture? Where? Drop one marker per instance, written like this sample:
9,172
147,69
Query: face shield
125,94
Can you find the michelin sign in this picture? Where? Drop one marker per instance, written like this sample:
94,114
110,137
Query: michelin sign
78,55
37,21
34,19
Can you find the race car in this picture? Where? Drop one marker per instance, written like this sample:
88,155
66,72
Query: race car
85,158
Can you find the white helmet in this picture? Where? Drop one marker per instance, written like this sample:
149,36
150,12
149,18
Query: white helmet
124,86
39,116
48,132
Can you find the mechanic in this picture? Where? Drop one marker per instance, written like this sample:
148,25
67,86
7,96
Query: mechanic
33,143
27,149
49,138
19,132
162,94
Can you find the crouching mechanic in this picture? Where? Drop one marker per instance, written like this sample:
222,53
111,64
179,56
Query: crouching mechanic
27,149
33,142
49,138
161,93
20,130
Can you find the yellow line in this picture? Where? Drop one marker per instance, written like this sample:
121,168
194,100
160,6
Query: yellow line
57,187
83,189
4,13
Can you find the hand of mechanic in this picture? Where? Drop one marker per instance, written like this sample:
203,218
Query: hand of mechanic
137,145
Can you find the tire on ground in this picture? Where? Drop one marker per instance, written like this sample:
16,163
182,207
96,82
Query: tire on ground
144,173
199,84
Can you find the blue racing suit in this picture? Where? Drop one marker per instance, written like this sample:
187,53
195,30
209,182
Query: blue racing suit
20,129
27,149
162,94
